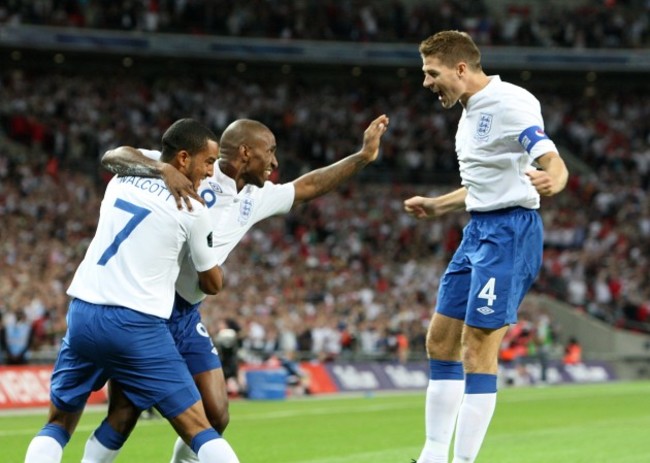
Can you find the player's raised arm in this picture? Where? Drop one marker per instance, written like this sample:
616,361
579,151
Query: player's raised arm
126,160
318,182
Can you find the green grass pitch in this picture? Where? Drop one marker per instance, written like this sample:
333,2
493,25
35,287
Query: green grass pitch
559,424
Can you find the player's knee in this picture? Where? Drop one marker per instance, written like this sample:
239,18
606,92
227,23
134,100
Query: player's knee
220,420
63,419
442,349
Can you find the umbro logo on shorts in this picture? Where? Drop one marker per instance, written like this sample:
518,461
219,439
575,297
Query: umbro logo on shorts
485,310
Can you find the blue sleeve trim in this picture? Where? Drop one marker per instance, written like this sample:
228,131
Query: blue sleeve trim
529,137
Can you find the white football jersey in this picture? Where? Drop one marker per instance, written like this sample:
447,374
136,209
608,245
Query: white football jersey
134,258
233,214
500,134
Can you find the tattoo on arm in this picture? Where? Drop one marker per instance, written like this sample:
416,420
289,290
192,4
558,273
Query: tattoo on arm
126,167
320,181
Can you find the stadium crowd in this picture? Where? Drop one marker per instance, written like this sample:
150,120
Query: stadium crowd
588,23
349,273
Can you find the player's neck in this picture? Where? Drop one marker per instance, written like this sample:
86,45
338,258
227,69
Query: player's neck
475,84
231,170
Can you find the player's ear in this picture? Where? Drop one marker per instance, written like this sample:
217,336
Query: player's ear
244,152
183,158
461,69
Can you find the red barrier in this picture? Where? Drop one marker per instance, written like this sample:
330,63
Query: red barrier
29,386
319,380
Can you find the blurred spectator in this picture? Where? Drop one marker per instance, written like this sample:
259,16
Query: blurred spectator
3,342
18,337
545,339
594,24
397,345
572,352
226,340
533,339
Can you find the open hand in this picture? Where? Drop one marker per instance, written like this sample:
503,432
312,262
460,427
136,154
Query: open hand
180,187
372,135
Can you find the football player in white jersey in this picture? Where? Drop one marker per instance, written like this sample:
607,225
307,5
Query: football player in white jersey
122,295
238,195
506,162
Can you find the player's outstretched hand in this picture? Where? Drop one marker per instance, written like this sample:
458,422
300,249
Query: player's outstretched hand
372,135
422,207
180,187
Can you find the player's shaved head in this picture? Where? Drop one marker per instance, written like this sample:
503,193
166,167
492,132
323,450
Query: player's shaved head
240,132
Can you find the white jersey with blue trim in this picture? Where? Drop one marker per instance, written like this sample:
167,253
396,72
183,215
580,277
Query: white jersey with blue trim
134,258
233,213
500,134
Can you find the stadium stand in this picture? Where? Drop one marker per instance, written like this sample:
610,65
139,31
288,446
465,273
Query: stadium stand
362,262
326,281
592,24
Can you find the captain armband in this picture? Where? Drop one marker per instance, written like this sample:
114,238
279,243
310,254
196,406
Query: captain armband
531,136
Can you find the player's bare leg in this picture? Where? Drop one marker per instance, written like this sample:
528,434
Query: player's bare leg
212,386
105,443
47,446
193,427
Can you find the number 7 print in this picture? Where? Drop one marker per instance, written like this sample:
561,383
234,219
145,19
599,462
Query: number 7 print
139,213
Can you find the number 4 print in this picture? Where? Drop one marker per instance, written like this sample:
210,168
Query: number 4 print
488,292
139,213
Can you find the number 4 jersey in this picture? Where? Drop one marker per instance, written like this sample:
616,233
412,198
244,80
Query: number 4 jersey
141,238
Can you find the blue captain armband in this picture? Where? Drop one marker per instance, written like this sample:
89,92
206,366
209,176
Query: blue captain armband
529,137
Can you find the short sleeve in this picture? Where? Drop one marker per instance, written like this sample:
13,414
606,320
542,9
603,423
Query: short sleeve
201,240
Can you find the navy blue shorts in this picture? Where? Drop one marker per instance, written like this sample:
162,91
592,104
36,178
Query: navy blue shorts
495,265
192,338
132,348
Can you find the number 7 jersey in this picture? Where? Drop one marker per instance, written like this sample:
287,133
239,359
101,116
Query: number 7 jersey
134,258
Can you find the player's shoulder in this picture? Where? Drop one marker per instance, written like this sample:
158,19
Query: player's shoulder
269,188
510,93
187,219
198,209
151,154
147,192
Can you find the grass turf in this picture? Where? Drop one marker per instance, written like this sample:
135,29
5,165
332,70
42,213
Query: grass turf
560,424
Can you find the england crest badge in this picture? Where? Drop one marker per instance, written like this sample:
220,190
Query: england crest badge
484,126
245,210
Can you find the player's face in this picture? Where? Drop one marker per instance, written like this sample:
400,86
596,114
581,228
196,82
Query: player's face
444,80
261,158
202,164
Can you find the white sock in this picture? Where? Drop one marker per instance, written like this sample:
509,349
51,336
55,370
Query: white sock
95,452
44,449
183,453
217,451
474,418
442,402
